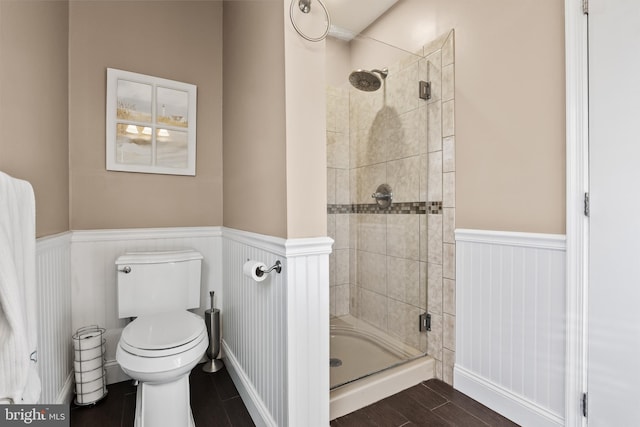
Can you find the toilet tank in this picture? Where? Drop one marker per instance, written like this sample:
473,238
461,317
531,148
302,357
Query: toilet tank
157,282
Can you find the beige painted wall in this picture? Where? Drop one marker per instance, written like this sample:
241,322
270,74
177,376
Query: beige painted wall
510,105
274,181
178,40
305,87
274,146
254,118
338,62
33,105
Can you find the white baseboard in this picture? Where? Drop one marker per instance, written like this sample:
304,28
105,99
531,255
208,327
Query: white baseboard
65,395
115,374
516,408
256,407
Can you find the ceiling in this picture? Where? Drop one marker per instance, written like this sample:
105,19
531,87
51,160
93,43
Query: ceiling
350,17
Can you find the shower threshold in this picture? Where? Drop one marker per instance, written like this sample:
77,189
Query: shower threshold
374,365
366,391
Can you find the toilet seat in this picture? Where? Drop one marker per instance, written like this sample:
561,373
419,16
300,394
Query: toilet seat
164,334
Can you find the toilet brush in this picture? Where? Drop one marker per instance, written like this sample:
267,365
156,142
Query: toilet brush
212,320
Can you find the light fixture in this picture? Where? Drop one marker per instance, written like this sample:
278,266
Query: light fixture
132,129
146,130
163,132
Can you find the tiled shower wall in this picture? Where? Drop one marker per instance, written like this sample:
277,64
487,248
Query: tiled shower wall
441,227
383,258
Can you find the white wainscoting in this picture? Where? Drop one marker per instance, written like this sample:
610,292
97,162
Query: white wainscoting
53,281
276,332
510,323
93,255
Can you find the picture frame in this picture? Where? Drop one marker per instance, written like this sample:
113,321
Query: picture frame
150,124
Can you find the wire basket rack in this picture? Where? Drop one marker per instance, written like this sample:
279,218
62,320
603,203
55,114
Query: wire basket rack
88,365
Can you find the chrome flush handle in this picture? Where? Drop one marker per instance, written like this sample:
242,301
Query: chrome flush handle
126,269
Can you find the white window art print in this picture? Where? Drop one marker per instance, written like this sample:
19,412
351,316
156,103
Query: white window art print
151,124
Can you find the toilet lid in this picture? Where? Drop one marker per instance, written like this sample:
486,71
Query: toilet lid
163,331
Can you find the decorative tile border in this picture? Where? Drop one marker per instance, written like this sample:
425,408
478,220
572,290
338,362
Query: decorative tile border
432,208
339,209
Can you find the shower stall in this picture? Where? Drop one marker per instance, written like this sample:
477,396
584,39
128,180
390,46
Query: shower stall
390,209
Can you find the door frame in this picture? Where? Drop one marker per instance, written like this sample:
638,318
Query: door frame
577,223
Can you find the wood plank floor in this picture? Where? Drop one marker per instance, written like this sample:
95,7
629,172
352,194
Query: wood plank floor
432,403
215,402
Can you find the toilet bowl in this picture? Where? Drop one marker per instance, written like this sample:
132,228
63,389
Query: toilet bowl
159,350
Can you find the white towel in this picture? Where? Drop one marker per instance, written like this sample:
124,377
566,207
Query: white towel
19,381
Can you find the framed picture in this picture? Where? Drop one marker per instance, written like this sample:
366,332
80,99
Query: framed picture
151,124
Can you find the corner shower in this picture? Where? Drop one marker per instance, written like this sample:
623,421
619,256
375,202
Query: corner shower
384,207
384,249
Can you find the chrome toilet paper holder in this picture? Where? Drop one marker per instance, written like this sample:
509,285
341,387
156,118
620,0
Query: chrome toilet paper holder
260,271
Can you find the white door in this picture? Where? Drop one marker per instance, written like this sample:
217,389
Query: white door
613,374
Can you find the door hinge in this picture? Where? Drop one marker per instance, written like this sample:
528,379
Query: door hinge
424,90
584,404
585,7
586,204
425,322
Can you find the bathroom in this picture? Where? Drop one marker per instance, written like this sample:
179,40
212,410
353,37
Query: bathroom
260,190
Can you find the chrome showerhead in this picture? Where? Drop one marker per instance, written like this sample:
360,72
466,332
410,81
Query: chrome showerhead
366,80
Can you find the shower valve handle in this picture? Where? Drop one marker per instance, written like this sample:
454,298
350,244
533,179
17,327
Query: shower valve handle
382,196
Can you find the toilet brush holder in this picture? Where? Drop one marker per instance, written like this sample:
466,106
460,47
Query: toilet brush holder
212,320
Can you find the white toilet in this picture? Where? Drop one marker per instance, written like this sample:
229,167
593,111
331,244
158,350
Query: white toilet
165,341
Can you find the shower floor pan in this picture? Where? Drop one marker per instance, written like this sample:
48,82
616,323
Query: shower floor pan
371,365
